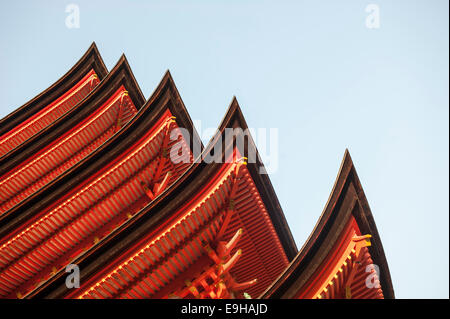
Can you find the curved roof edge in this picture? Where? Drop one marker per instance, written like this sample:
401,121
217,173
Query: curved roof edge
90,60
165,96
121,74
347,175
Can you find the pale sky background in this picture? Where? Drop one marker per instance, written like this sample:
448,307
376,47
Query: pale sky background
309,68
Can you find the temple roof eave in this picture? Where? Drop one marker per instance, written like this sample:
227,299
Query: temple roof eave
364,218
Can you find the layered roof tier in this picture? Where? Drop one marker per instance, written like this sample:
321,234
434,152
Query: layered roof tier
343,258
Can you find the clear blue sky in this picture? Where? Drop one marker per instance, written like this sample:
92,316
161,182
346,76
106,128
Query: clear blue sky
309,68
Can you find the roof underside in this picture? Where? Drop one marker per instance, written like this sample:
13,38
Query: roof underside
112,183
49,114
66,151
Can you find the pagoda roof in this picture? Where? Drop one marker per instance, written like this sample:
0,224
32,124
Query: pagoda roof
160,211
164,103
346,208
91,60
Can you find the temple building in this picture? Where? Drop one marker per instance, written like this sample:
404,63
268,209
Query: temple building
88,178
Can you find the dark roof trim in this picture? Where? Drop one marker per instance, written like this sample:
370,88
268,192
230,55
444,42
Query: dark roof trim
347,197
90,60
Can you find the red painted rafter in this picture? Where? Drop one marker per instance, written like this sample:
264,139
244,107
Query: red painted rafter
216,282
63,153
163,157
